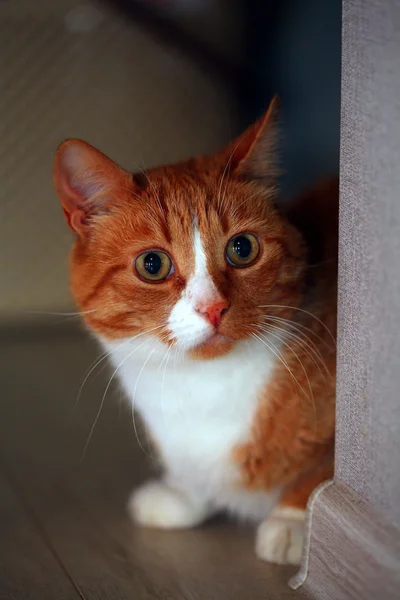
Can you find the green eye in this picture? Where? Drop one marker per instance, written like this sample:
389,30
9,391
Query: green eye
242,250
153,265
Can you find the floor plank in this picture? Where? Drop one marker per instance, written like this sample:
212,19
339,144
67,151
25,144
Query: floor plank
79,498
28,568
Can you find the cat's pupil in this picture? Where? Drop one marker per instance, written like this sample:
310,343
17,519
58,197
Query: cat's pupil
152,263
242,246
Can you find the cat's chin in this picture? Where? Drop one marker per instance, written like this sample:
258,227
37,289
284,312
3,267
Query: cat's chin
214,346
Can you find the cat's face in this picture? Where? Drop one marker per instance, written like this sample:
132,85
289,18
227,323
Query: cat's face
189,254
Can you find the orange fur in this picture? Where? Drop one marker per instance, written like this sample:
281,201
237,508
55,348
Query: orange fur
293,432
230,192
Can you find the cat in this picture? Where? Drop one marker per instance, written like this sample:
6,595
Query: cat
218,309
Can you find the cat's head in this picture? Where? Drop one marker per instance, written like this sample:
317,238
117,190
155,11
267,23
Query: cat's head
191,254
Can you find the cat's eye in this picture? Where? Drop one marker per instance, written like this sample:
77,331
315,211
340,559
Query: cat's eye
242,250
153,265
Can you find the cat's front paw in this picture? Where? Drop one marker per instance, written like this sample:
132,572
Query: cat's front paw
156,504
280,537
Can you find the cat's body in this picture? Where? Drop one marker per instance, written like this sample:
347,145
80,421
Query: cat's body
197,412
219,314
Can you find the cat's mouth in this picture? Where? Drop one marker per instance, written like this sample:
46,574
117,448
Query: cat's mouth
215,339
218,338
214,346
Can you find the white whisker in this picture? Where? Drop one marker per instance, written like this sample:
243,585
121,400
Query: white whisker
305,342
107,388
59,314
99,360
302,310
292,337
283,361
227,166
275,352
157,197
106,354
304,371
300,328
245,201
162,383
133,401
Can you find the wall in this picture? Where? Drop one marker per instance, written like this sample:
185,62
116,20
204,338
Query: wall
68,71
368,415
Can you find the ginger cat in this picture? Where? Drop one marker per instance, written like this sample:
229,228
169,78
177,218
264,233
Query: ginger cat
219,313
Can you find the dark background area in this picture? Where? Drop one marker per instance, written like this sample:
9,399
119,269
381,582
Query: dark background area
259,48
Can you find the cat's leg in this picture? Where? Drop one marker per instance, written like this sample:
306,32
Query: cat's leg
161,504
280,537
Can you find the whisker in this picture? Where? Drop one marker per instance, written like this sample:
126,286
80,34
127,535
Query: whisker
281,358
305,342
157,197
59,314
133,401
106,390
305,347
227,166
300,328
305,373
154,213
275,352
244,201
99,360
164,356
106,354
162,385
178,356
283,361
302,310
219,204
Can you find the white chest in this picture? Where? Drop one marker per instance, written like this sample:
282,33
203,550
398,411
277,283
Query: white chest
198,411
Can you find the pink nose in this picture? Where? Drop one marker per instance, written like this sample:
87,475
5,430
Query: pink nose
213,311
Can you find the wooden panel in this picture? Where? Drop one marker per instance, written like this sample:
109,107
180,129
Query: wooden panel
353,554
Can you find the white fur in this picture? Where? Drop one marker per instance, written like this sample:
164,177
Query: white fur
157,504
197,411
187,325
280,537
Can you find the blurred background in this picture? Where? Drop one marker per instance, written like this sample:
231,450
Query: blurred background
148,82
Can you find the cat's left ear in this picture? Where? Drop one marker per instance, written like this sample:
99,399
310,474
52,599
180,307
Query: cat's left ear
254,153
86,182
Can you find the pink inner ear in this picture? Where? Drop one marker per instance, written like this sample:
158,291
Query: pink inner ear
76,220
77,179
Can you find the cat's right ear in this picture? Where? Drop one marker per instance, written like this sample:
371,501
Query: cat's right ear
86,181
253,154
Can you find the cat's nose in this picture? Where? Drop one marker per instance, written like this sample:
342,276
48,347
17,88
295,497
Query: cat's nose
213,311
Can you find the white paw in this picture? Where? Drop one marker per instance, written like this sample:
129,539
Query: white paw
280,537
156,504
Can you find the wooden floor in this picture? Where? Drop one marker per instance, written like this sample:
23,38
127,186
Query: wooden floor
64,533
